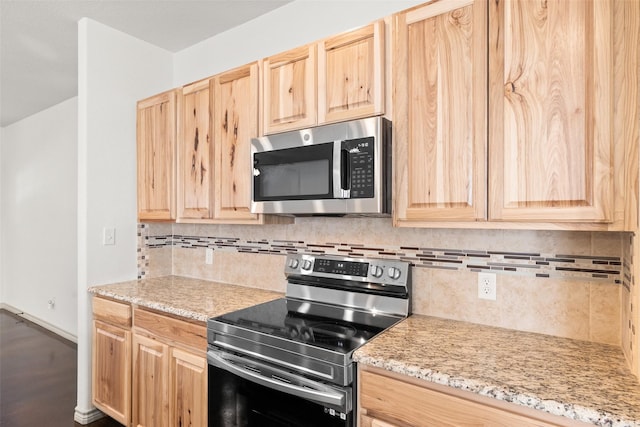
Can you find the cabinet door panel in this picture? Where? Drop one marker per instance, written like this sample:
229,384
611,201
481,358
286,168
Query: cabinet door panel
440,112
290,90
188,389
235,96
550,111
111,371
150,382
195,163
156,139
351,74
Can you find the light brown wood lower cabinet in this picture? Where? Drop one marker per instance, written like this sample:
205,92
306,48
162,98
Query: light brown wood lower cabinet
388,401
111,371
149,369
169,371
188,391
150,382
111,359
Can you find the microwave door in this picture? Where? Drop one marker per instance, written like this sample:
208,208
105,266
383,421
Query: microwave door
299,173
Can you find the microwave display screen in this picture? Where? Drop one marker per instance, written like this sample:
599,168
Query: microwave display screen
295,179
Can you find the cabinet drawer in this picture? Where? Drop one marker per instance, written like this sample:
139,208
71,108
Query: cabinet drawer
115,313
174,330
386,399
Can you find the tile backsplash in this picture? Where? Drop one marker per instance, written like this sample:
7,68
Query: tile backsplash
555,282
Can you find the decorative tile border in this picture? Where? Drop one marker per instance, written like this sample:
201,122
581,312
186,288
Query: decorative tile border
629,322
143,247
534,264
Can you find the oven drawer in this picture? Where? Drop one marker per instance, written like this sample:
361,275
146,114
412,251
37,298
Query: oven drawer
243,393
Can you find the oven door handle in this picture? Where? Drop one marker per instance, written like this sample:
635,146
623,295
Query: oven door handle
319,393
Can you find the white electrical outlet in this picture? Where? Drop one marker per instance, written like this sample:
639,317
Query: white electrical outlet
208,256
487,286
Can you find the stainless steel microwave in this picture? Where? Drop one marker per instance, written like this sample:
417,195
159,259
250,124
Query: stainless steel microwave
337,169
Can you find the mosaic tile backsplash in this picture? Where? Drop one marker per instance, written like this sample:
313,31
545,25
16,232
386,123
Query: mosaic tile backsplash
560,283
536,264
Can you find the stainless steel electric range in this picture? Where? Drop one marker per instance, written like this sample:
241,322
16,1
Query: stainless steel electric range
289,362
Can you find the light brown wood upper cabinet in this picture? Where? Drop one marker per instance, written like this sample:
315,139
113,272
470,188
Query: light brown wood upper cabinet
235,122
351,74
195,153
511,125
440,85
290,90
336,79
217,119
156,145
550,111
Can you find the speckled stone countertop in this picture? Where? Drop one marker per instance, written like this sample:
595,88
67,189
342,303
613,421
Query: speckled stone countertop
189,298
580,380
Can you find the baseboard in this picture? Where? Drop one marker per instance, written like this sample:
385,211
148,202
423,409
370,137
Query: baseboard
40,322
85,418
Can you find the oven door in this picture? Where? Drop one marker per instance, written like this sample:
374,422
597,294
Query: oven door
247,393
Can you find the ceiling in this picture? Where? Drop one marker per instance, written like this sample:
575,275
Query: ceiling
39,40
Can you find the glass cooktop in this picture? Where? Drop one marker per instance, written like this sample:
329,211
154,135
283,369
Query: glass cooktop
321,325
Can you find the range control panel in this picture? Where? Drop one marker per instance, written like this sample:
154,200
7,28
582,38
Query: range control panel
382,271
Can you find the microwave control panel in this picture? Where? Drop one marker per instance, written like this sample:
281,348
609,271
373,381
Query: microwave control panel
361,167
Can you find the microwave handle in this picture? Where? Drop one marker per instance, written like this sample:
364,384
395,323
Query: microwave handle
341,172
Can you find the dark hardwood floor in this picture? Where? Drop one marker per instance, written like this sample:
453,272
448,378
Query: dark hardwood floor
37,376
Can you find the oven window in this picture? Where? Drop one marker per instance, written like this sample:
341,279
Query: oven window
236,402
298,173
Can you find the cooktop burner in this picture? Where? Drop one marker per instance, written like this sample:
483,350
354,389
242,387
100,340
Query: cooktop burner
313,324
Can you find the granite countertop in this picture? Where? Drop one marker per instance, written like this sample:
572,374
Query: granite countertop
185,297
580,380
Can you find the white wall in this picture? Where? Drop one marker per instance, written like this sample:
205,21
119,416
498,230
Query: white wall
292,25
114,71
38,211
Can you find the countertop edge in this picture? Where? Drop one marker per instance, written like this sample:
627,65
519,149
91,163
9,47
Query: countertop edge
187,314
553,407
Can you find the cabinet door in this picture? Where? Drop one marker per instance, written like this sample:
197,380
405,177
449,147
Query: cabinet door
550,111
150,382
111,371
195,151
235,122
156,145
440,96
290,90
188,393
351,74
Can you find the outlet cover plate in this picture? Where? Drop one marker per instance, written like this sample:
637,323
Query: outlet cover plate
487,286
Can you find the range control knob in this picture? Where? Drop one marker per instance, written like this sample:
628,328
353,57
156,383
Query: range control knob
394,273
376,271
306,264
293,263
